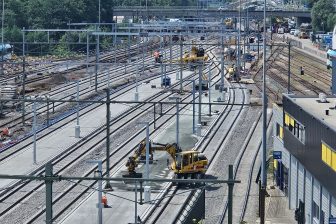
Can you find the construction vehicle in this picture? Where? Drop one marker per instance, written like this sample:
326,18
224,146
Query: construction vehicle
232,74
205,83
228,23
196,54
185,164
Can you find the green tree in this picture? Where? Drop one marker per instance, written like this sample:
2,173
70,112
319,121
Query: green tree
321,11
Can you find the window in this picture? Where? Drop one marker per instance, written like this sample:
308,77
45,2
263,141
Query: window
279,131
295,127
328,156
316,211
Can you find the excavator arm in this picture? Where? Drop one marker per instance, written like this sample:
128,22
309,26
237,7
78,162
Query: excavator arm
140,153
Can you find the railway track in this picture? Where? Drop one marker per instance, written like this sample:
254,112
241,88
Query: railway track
118,55
69,89
216,136
119,149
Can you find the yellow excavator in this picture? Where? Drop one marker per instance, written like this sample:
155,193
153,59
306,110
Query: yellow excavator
196,54
228,23
185,164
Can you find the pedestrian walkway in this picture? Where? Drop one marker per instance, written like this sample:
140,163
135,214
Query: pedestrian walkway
277,210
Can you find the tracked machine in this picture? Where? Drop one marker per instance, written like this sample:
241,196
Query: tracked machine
195,56
185,164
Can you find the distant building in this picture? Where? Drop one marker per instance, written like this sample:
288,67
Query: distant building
305,133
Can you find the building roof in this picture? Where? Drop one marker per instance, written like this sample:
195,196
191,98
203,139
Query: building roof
314,107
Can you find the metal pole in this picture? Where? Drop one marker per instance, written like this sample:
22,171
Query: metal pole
49,183
170,51
264,128
100,190
136,82
47,110
108,117
181,68
99,13
23,76
108,80
177,121
143,57
2,36
3,20
147,151
222,71
194,93
154,116
239,33
136,202
161,66
34,130
77,102
97,60
199,94
230,200
209,83
87,56
289,64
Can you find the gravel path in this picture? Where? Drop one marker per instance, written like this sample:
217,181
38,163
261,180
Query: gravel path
215,195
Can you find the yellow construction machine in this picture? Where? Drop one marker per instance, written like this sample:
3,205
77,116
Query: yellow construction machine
228,23
196,54
185,164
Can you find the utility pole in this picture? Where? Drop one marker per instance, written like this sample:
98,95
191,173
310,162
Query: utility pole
97,61
289,64
181,61
77,127
87,55
239,33
23,76
200,95
2,36
34,130
108,117
264,130
49,183
209,84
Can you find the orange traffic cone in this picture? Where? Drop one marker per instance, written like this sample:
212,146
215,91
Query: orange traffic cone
104,201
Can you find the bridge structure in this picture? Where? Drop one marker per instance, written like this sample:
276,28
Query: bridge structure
180,12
